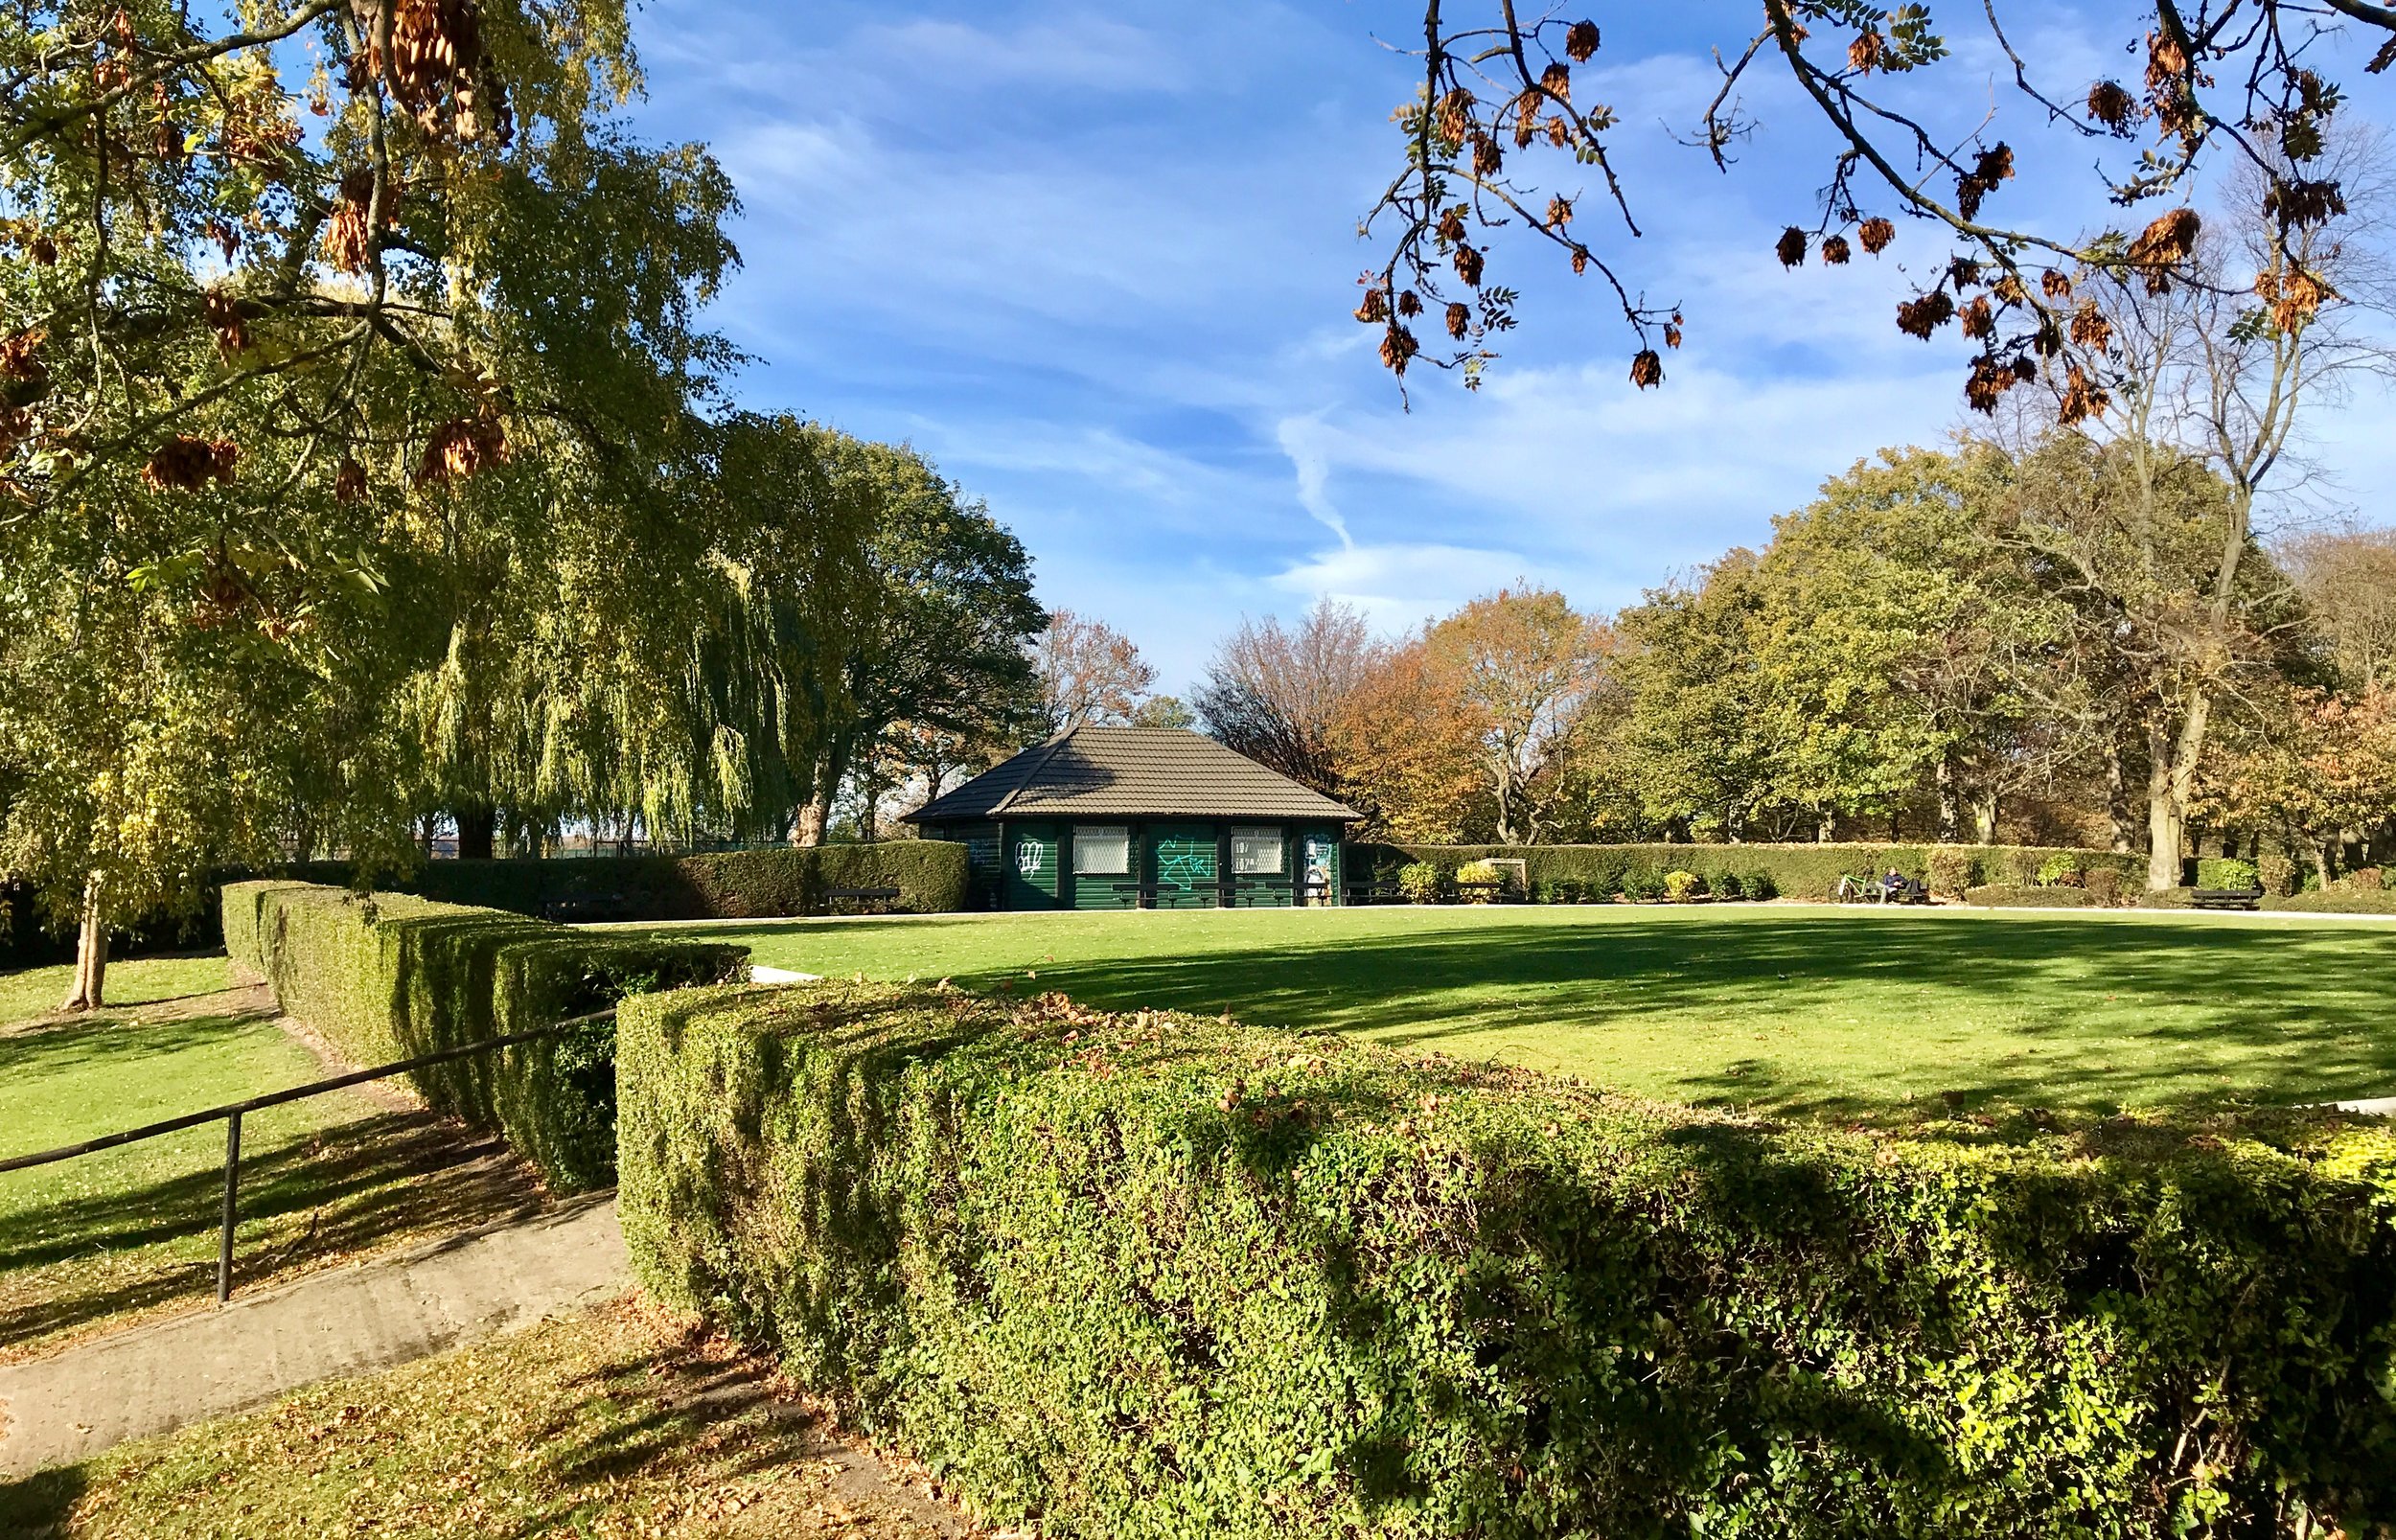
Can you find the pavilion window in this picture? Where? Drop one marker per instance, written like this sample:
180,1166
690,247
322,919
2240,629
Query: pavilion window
1102,850
1257,852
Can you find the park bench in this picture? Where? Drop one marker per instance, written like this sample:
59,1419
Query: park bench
1376,893
1871,891
871,900
588,909
2227,898
1494,889
1152,895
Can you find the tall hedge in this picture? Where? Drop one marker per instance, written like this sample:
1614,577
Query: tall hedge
733,884
1800,871
387,976
1149,1276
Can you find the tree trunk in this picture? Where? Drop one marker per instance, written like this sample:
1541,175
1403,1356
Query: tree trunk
2167,818
814,814
2117,801
1950,808
477,832
89,991
1824,827
2171,784
2322,864
1984,817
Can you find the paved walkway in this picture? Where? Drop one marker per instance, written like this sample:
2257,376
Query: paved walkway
394,1310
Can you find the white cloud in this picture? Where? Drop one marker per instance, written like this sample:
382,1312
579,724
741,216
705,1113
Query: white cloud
1400,586
1298,440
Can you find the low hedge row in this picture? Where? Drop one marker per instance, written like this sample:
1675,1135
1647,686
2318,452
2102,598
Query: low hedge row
2335,901
931,876
1148,1276
1797,871
387,976
733,884
2030,898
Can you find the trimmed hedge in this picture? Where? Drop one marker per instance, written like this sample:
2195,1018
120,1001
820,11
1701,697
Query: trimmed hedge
2334,901
1796,871
386,977
733,884
1147,1276
2031,898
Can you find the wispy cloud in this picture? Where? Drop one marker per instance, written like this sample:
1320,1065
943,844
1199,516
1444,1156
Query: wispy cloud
1096,260
1298,437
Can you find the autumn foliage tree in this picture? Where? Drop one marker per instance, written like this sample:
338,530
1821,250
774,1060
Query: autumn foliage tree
1091,675
1508,102
1520,664
1277,693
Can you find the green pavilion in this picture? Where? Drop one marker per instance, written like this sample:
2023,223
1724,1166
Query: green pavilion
1142,818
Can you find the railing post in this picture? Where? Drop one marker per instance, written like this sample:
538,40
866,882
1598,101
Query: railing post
232,1187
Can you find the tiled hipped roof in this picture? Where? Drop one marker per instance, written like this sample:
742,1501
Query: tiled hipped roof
1131,773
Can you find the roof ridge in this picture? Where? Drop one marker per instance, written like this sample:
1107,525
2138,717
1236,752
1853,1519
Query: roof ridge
1047,752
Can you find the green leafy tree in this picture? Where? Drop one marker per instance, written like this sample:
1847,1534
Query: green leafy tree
938,652
276,319
1698,735
1904,645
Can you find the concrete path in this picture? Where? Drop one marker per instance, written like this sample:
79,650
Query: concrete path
58,1411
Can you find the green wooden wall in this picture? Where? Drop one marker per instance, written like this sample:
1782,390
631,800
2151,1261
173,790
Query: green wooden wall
1181,857
1030,853
1183,863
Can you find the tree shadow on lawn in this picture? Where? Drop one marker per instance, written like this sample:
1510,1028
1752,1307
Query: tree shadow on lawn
318,1196
111,1042
2092,1015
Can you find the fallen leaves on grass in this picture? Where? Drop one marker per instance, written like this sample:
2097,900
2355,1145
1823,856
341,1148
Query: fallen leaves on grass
620,1423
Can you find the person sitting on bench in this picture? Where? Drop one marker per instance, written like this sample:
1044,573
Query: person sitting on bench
1893,887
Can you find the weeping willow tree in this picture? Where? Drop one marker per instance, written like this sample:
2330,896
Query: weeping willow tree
719,654
277,279
678,673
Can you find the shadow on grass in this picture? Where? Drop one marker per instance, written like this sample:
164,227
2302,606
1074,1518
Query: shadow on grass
36,1506
74,1261
110,1041
2122,1013
611,1410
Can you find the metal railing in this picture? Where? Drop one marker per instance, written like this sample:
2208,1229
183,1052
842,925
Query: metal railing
232,1112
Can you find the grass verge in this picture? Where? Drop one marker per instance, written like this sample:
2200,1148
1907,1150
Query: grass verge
617,1423
1855,1015
109,1239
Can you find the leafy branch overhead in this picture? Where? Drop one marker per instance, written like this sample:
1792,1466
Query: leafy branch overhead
2232,85
340,251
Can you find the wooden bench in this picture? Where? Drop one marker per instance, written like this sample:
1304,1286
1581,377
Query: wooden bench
1375,893
874,900
1146,895
2227,898
1873,891
1496,889
588,909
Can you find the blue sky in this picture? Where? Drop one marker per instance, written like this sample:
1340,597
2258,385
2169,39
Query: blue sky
1095,261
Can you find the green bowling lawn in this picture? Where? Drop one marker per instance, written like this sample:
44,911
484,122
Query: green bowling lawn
1842,1014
